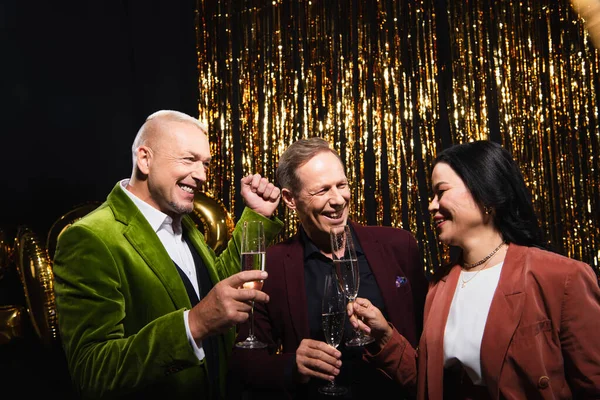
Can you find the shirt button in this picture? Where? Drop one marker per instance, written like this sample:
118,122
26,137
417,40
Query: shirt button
544,382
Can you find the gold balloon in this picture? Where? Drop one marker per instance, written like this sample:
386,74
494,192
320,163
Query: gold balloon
35,270
5,255
212,217
11,324
59,226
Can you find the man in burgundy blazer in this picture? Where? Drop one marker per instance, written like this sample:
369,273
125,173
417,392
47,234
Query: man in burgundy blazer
391,274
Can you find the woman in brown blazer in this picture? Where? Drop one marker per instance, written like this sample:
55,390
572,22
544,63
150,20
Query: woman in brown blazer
507,319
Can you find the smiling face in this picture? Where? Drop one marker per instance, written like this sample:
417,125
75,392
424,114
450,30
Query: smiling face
323,199
458,219
173,161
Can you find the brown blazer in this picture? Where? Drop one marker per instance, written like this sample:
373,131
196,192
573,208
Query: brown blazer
541,340
283,322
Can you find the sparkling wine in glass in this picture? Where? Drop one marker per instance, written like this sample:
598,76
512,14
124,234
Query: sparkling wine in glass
345,262
333,313
253,257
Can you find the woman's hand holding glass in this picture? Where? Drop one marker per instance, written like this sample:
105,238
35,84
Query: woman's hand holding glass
347,270
367,318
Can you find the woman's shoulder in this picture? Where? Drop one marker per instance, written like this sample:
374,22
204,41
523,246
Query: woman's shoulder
544,258
543,262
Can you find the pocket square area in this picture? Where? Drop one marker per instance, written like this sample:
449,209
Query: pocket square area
401,281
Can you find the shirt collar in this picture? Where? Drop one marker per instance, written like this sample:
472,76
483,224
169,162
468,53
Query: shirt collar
310,248
157,219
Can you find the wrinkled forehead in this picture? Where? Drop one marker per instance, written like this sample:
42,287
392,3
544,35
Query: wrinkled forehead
324,169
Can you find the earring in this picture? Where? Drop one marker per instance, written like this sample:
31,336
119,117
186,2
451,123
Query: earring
488,210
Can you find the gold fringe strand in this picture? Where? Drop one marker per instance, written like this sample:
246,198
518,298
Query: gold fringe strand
364,76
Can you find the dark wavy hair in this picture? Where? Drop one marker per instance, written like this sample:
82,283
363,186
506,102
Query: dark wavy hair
496,182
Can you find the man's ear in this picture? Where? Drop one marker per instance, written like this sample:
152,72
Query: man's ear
288,199
143,159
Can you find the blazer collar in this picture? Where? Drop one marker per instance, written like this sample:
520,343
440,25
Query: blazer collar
293,267
380,267
441,299
504,315
196,238
146,243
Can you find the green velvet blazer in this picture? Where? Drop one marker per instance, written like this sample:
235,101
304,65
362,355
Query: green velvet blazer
120,304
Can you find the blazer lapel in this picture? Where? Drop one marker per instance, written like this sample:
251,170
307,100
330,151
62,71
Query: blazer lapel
435,325
293,264
144,240
379,265
152,251
197,240
504,316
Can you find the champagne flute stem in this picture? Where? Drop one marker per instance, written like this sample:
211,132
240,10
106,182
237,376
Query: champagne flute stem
251,332
332,383
357,329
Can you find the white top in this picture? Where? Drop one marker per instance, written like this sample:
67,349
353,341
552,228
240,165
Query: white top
171,237
466,320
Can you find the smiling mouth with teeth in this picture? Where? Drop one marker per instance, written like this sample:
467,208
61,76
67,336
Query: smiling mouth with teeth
335,214
187,189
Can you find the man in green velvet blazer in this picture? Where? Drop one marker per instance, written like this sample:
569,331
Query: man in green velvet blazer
127,276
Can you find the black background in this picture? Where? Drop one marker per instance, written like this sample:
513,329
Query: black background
77,80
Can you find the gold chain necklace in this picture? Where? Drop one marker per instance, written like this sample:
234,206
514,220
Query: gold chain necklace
468,266
471,278
484,267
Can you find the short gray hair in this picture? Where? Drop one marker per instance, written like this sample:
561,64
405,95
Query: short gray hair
166,115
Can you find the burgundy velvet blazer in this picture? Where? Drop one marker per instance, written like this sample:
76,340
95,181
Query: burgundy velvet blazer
541,338
392,253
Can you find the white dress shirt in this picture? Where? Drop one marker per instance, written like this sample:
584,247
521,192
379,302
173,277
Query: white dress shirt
466,320
170,235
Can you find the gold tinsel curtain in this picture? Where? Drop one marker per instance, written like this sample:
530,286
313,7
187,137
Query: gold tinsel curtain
390,83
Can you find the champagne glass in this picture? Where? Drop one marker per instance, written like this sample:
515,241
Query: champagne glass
253,257
348,275
333,313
